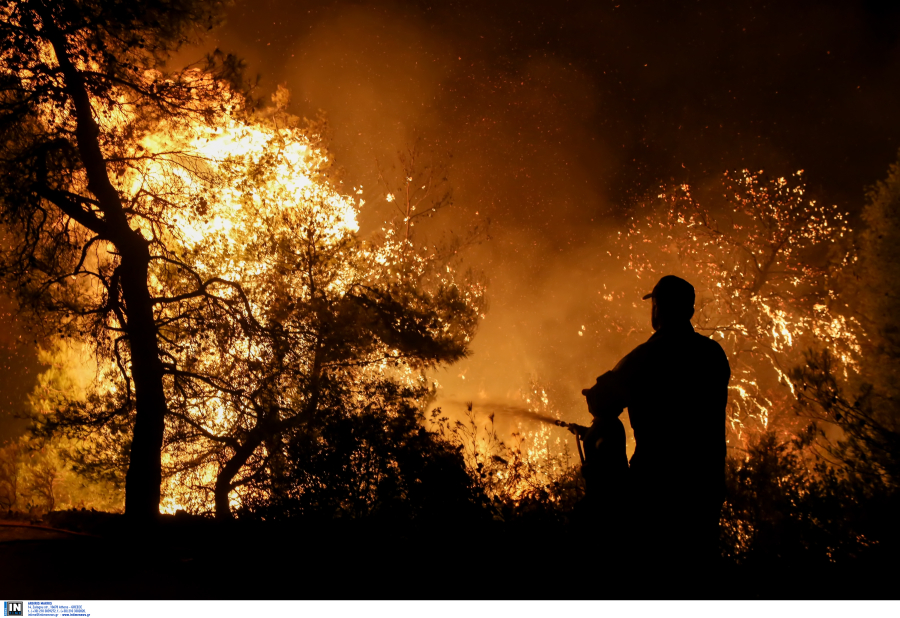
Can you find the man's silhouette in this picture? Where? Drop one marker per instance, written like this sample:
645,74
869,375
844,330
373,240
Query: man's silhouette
675,387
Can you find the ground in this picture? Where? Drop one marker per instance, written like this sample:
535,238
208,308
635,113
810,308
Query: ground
84,555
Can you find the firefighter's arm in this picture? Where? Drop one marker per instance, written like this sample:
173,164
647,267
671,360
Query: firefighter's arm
607,397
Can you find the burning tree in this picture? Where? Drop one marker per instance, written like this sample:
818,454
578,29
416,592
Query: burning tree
82,87
303,320
266,304
764,261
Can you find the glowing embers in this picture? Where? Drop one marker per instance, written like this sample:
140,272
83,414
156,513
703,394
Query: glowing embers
762,261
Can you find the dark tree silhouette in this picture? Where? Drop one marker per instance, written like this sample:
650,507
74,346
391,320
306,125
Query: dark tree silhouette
856,412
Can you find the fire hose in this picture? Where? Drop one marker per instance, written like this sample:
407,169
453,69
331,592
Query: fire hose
578,431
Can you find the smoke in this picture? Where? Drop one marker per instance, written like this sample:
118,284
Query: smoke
17,369
510,135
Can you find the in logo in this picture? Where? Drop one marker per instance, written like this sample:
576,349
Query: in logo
12,608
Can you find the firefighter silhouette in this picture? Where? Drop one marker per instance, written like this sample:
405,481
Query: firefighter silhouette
675,387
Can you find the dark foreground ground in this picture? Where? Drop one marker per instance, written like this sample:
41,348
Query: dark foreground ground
198,559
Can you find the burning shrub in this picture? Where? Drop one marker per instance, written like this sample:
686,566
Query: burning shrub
533,477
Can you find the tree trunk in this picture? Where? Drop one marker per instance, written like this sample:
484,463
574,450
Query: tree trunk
258,435
230,470
142,481
144,476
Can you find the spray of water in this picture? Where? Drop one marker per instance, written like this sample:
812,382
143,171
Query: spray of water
501,409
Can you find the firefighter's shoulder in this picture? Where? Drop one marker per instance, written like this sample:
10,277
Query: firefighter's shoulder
709,345
635,357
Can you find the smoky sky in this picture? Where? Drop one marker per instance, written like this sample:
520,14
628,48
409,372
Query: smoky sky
553,118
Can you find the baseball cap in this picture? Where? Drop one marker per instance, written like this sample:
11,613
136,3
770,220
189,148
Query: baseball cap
672,290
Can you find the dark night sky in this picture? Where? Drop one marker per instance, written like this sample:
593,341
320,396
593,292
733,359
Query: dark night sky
558,115
710,85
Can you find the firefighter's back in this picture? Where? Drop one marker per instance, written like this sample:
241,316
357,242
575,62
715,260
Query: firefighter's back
677,406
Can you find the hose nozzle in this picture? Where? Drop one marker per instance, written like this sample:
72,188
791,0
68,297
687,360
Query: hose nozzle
578,430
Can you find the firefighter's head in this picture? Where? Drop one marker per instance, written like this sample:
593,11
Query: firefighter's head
673,302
